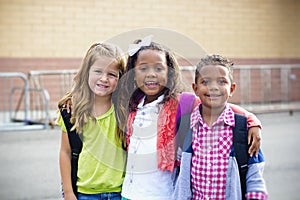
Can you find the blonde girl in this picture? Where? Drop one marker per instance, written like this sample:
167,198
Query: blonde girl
102,159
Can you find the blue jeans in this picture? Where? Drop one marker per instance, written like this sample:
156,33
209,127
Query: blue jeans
101,196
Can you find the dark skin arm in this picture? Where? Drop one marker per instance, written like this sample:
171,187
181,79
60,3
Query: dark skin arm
254,134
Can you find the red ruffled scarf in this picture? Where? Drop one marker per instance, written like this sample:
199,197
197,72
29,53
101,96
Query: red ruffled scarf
166,127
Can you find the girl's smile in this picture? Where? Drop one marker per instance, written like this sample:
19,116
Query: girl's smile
151,84
102,86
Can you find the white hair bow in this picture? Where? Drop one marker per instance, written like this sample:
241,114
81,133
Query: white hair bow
133,48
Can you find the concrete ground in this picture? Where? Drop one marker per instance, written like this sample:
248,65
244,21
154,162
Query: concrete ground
29,160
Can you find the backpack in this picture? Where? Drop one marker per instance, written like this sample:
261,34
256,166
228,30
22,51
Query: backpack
75,144
240,143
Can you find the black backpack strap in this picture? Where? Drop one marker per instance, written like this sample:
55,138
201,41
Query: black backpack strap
75,144
240,144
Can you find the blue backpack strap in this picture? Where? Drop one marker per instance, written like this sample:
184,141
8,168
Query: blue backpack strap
75,144
187,142
183,114
240,145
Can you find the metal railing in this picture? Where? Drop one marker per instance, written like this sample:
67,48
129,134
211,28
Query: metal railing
56,82
16,112
260,88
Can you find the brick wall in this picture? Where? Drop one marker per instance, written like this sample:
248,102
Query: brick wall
241,29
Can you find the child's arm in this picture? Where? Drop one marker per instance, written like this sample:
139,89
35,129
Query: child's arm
256,186
251,118
65,167
254,131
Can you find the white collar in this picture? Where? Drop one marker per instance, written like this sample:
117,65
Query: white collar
153,103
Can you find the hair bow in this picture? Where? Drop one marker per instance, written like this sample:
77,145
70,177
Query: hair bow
133,48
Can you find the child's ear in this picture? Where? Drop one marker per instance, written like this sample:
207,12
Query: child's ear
232,89
194,86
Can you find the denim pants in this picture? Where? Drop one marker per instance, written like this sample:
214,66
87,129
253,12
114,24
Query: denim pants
101,196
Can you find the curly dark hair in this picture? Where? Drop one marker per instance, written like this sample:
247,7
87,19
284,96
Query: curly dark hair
214,60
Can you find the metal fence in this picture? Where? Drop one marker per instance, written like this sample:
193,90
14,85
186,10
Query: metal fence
16,112
26,100
56,82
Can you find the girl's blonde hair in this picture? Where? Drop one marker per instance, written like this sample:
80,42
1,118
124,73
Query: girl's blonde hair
81,95
129,96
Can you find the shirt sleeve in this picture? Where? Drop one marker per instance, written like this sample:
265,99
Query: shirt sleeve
251,118
256,185
256,195
60,122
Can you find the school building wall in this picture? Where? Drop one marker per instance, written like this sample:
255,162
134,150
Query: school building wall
51,35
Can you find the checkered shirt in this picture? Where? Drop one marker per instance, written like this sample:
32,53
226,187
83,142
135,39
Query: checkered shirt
256,195
211,146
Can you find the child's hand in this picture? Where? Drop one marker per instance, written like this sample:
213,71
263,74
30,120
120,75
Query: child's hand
254,135
68,104
70,196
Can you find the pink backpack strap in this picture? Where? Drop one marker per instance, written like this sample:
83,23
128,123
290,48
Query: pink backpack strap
185,105
185,108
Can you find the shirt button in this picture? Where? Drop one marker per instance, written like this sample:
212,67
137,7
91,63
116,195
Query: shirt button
208,182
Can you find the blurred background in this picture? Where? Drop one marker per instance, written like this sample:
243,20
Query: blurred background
42,44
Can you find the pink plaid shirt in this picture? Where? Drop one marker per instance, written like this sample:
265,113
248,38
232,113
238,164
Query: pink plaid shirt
211,147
